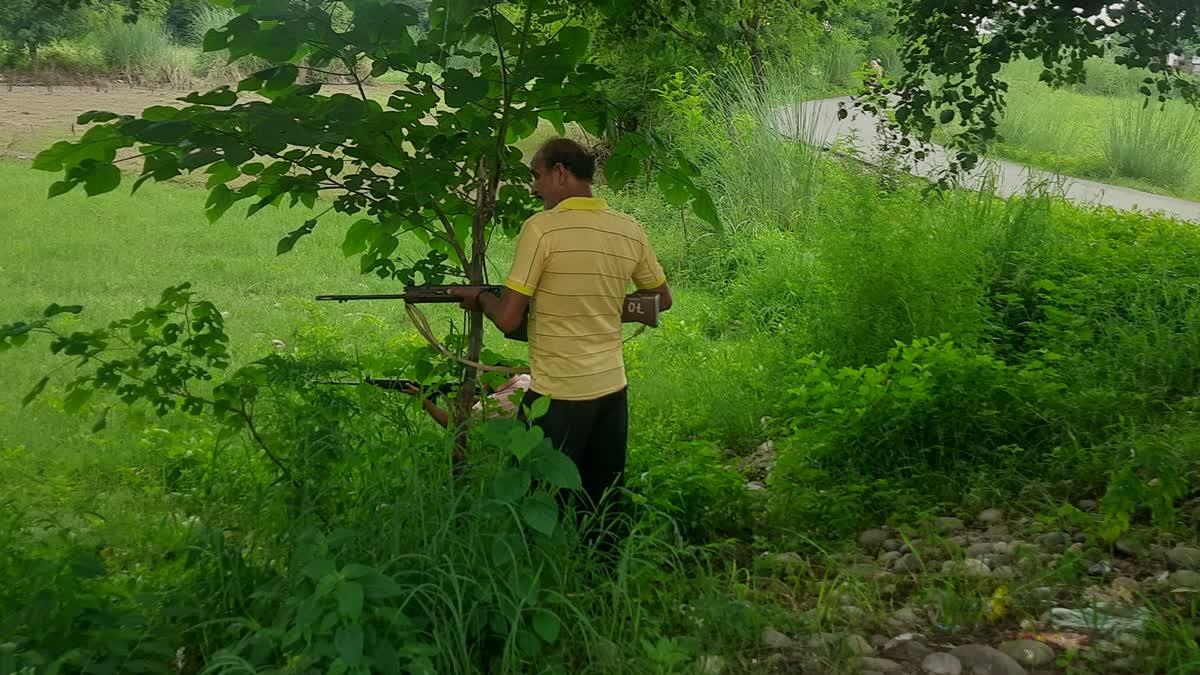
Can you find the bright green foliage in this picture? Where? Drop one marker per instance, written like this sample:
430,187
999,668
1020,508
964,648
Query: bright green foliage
31,24
951,68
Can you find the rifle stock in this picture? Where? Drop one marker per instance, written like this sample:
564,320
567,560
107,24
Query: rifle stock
640,307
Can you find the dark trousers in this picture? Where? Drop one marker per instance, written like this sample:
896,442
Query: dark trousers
594,435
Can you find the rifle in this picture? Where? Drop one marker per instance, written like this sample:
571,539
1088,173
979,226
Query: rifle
395,384
640,307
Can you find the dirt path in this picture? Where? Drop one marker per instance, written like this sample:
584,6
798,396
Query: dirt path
34,117
818,122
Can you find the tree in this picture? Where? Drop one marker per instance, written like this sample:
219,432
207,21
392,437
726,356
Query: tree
952,59
437,160
31,23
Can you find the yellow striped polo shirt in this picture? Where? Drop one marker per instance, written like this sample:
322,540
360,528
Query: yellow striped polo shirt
576,262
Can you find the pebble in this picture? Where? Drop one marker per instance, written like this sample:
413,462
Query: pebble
1087,505
990,516
907,616
1029,652
776,640
1183,579
946,525
997,531
852,614
1004,572
1081,537
906,650
1183,557
909,563
859,646
1100,569
872,540
892,545
755,486
788,559
1126,584
867,663
887,557
1053,541
863,571
970,567
1131,548
981,549
984,660
941,663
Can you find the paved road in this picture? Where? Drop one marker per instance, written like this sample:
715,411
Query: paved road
818,123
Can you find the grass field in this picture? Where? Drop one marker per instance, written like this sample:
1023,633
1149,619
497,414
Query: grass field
1100,130
906,357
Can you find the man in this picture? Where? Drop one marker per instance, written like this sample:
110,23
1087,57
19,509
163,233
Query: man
571,270
500,403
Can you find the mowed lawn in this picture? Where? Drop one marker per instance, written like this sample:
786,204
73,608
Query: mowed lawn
114,254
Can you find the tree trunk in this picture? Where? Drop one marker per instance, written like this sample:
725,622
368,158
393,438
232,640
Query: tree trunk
33,51
485,204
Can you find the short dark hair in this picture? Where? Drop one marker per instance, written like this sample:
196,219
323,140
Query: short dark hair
571,155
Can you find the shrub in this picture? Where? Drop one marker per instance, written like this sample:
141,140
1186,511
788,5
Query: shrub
1157,144
931,407
141,52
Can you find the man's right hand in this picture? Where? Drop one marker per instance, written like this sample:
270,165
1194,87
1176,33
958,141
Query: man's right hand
411,390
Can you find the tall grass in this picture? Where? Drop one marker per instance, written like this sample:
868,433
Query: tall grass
1157,144
760,151
1042,123
214,65
141,52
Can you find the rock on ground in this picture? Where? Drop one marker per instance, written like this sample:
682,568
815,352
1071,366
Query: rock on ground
990,516
1183,579
941,663
1029,652
872,540
984,660
867,663
1184,557
948,524
776,640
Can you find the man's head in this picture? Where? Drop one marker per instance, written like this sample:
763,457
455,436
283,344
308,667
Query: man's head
562,169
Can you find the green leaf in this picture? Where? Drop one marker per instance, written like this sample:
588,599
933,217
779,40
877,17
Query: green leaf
674,190
511,484
359,237
540,512
168,132
76,398
277,44
55,309
349,643
61,187
35,392
947,116
101,179
350,599
705,209
463,88
378,586
215,40
557,469
540,407
319,568
292,237
619,169
94,116
574,40
546,625
222,96
522,441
